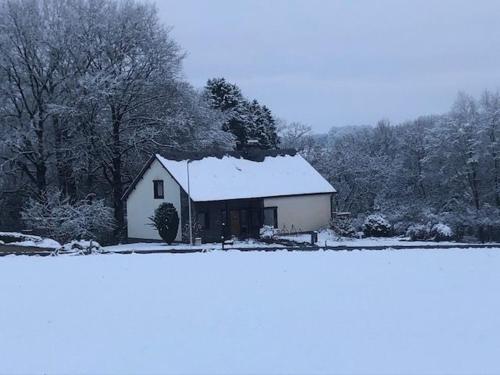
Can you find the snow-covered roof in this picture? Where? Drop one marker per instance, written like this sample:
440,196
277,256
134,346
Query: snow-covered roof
230,177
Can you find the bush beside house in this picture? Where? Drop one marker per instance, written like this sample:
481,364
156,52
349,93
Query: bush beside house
166,222
343,227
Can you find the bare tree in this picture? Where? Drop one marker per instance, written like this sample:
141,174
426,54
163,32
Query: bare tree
490,117
295,135
27,63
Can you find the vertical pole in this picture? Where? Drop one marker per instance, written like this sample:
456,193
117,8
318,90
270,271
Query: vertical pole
222,234
189,205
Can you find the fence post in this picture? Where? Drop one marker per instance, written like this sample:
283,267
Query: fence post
222,237
314,237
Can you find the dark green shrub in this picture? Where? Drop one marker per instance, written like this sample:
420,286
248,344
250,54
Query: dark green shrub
418,232
166,222
377,226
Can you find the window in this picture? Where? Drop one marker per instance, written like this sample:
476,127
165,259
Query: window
271,216
202,220
158,189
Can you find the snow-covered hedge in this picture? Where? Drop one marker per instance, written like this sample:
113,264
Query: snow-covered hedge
436,232
377,226
441,232
418,232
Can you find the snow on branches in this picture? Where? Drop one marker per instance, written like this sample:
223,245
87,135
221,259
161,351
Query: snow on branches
63,220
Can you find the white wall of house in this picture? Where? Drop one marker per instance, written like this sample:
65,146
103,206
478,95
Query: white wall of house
141,202
303,212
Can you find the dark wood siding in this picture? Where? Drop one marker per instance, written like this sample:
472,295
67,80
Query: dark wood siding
218,211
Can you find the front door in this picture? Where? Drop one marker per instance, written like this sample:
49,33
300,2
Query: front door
234,222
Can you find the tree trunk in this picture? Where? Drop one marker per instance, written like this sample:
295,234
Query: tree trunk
117,195
496,166
497,180
65,174
474,180
40,167
116,176
420,177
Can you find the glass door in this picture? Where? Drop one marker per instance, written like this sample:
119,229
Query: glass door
234,222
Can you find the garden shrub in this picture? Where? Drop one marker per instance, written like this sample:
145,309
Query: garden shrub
59,218
441,232
166,222
377,226
418,232
343,227
268,232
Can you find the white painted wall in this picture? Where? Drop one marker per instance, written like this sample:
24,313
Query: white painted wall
141,203
304,212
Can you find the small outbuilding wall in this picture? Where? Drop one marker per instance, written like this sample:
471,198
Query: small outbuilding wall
141,203
302,212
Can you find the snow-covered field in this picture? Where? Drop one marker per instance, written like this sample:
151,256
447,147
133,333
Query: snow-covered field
415,311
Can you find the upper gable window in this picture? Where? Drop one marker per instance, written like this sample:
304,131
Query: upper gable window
158,189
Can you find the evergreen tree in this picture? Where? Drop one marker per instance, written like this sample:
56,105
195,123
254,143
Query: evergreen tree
223,95
227,98
166,222
271,128
245,120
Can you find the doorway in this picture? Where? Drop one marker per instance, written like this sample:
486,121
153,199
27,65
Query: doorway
234,222
244,222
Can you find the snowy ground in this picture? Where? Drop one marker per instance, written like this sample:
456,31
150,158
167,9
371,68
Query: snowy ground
148,246
324,238
415,311
329,238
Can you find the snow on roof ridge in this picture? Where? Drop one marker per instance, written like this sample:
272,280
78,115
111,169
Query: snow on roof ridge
249,154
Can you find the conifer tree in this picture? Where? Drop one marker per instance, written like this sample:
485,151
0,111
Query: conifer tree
245,120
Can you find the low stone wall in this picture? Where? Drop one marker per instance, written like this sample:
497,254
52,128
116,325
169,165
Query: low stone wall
24,250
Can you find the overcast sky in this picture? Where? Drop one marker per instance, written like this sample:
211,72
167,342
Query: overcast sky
342,62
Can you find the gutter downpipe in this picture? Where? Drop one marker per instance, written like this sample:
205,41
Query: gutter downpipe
189,205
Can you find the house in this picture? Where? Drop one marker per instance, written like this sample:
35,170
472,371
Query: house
232,194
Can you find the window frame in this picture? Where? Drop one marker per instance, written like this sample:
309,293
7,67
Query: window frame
275,215
206,224
156,193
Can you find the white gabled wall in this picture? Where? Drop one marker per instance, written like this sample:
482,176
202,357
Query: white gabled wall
141,203
303,212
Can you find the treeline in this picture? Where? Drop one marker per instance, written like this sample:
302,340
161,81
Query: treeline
442,168
89,89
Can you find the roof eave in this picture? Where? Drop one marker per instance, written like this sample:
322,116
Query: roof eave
264,197
138,177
